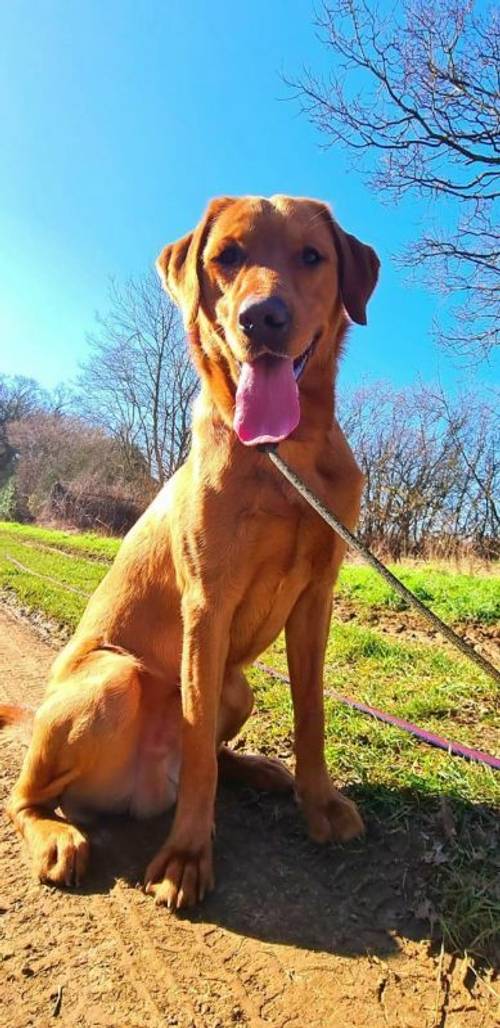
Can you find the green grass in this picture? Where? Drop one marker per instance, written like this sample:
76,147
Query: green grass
456,597
87,544
396,779
402,783
419,683
453,596
43,586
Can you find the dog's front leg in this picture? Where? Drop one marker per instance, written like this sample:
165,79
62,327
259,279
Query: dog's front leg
328,813
181,873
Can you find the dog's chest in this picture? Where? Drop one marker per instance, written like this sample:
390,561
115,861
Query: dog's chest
280,558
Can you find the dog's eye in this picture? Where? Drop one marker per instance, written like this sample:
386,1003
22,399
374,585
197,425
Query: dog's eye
230,256
311,256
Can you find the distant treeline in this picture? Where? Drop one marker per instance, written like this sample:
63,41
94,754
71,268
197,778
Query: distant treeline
432,470
93,454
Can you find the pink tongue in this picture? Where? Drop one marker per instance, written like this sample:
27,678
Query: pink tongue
267,401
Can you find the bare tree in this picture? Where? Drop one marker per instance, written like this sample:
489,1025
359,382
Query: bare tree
52,448
414,96
432,472
19,397
138,382
471,426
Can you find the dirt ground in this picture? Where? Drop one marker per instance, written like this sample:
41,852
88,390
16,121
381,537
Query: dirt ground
484,637
293,936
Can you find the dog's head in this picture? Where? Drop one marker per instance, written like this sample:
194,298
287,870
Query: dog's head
264,286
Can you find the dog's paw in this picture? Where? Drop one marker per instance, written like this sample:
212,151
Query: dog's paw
264,773
330,815
178,878
60,854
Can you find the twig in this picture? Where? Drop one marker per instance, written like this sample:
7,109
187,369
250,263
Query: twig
58,1001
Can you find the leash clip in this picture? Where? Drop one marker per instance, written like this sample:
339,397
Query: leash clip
267,447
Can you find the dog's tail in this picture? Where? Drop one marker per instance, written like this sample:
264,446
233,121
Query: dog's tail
17,720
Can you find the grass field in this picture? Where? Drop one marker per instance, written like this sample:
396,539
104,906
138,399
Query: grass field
456,597
451,805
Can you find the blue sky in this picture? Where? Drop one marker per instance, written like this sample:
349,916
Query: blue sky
120,119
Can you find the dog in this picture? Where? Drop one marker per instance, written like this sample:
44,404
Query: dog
143,700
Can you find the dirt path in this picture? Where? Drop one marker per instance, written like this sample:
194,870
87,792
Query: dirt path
293,936
414,628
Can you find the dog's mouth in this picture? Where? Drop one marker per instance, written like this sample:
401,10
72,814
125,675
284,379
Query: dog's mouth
300,363
267,407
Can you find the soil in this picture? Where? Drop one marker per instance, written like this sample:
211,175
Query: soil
414,628
294,935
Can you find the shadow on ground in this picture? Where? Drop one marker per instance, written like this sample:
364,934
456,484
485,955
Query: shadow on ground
403,880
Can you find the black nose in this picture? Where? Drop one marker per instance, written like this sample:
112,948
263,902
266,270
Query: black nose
265,321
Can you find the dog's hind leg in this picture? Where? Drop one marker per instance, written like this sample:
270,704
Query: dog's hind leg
265,773
83,734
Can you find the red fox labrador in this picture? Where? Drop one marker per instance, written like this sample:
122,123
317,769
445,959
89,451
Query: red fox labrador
143,699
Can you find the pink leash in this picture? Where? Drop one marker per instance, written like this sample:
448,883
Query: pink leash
456,748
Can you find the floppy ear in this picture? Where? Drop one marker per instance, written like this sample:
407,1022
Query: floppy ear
358,271
179,264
